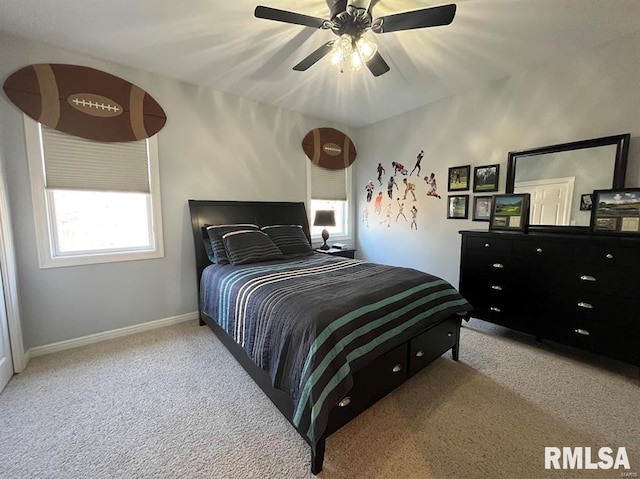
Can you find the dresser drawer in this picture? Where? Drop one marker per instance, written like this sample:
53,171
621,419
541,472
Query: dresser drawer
505,312
608,255
496,268
598,278
489,245
543,250
371,383
485,293
604,309
431,344
614,341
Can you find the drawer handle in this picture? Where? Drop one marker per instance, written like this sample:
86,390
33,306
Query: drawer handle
495,310
486,245
584,305
538,250
496,287
586,277
608,256
345,402
498,265
449,334
397,368
581,331
420,353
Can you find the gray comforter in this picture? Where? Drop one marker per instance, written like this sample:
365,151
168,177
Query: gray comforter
311,322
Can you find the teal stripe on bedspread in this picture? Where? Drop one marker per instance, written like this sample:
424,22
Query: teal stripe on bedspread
344,342
361,351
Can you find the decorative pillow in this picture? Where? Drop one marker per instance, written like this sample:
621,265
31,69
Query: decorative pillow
250,246
216,232
209,250
289,238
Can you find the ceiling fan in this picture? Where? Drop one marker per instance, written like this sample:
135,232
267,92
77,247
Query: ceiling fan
350,20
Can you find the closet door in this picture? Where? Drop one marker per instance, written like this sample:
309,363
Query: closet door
6,365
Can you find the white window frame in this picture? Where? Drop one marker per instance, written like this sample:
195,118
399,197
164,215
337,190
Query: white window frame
349,235
45,225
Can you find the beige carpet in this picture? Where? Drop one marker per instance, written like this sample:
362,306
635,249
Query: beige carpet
173,403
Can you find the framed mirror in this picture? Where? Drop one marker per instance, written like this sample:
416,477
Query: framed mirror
559,176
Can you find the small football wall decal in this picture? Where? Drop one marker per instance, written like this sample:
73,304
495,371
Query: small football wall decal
85,102
329,148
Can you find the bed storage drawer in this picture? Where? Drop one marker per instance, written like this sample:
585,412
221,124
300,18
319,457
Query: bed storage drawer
371,384
431,344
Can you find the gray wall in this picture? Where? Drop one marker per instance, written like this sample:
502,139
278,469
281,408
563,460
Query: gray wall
214,146
589,95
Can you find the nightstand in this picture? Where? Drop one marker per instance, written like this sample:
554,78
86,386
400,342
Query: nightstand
345,252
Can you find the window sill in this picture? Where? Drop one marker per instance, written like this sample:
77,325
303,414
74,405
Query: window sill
317,241
64,261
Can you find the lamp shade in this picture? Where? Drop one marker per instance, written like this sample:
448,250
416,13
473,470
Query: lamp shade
325,218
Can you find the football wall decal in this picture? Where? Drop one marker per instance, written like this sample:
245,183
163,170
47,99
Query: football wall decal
85,102
329,148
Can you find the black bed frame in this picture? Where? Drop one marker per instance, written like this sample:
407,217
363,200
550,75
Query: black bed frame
370,383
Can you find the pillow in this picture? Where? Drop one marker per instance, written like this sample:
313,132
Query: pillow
209,250
250,246
289,238
216,232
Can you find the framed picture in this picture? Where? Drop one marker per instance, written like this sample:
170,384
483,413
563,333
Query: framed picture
482,208
510,212
485,178
586,201
616,211
459,178
458,207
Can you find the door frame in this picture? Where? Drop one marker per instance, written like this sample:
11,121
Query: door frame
9,272
566,180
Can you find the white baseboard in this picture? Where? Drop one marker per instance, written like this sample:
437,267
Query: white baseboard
114,333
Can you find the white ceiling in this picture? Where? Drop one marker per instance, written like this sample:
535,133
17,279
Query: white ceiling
219,44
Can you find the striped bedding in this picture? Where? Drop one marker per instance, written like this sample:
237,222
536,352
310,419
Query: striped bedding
312,322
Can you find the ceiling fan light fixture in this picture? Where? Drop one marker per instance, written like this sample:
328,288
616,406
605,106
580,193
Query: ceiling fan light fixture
356,60
352,53
366,48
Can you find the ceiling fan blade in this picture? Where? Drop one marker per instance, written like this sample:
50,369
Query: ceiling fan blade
314,57
269,13
377,65
427,17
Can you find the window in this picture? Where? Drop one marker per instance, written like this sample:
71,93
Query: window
330,190
93,202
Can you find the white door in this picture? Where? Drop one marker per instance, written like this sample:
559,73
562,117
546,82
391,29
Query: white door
550,200
6,365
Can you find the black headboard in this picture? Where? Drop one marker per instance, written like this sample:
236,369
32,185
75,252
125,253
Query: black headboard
261,213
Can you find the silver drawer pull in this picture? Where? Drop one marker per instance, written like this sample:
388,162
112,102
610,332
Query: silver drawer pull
397,368
496,287
449,334
420,353
538,250
486,245
608,256
584,305
497,265
581,331
345,402
495,310
586,277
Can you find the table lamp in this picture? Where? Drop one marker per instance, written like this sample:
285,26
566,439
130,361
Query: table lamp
325,218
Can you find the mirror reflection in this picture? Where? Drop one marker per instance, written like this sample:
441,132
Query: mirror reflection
561,178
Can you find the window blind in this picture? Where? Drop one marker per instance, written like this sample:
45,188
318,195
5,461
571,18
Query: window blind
327,184
75,163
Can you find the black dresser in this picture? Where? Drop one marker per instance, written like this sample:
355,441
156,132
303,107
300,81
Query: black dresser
576,289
